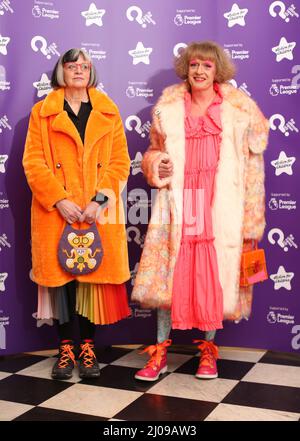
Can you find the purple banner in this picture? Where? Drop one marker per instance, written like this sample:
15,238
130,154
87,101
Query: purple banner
132,45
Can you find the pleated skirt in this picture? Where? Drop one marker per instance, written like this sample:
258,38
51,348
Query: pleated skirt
102,304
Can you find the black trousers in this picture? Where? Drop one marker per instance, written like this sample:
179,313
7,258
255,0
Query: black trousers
66,330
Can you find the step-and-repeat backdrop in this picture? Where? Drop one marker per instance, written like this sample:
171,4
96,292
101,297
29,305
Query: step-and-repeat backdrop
132,44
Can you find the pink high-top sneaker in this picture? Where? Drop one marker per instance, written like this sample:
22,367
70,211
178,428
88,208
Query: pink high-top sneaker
208,360
157,364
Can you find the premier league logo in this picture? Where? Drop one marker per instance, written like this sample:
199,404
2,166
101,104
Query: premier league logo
273,204
36,11
130,92
178,20
274,91
271,317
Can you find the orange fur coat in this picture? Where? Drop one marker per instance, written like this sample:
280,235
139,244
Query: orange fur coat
57,166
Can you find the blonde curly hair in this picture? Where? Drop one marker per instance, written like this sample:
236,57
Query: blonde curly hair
205,50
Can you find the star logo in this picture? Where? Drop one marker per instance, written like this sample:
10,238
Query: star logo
140,54
282,279
3,44
284,50
3,277
43,86
136,164
3,159
236,16
93,15
283,164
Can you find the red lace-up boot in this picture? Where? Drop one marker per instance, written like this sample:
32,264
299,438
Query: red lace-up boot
208,360
157,364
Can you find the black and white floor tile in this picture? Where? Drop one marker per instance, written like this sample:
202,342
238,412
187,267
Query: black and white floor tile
252,386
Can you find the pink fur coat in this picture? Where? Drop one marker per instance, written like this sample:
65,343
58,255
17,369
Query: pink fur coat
239,203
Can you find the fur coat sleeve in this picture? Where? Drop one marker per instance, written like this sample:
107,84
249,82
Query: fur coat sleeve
254,214
155,154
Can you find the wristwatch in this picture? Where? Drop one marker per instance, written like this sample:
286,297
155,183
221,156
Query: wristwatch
100,198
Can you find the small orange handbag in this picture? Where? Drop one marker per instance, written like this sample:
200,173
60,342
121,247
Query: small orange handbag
253,266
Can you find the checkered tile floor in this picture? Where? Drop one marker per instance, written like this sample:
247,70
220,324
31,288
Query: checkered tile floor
252,386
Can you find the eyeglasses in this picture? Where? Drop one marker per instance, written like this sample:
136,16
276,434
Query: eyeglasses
73,66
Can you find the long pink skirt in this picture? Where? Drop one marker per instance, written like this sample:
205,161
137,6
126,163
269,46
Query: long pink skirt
197,298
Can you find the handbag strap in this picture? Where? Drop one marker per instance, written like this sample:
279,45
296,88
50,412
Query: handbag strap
254,243
71,227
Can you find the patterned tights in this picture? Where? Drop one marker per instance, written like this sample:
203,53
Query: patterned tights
164,326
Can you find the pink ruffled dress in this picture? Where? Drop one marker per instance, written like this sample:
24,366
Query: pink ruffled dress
197,298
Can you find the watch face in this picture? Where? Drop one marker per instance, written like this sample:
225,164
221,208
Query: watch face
101,198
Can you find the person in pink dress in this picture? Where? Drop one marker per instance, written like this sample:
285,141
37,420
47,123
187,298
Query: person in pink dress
206,159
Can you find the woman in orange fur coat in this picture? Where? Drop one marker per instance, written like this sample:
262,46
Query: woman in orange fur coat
75,160
206,159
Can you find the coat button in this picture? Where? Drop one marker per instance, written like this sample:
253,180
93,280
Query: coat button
99,165
58,165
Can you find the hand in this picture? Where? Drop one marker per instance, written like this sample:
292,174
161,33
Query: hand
70,211
165,168
89,214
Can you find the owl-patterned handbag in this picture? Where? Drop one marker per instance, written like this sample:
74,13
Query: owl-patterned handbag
80,250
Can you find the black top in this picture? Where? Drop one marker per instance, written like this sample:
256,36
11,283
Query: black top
80,120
